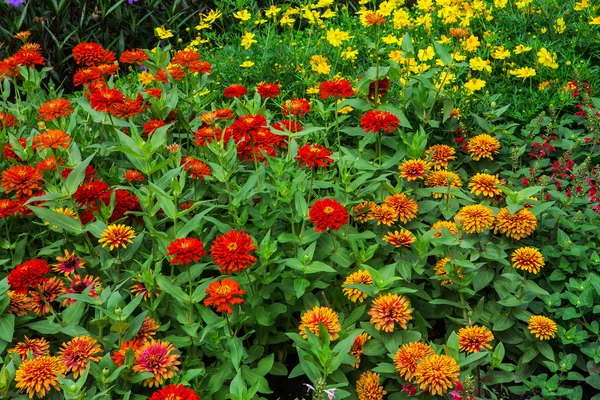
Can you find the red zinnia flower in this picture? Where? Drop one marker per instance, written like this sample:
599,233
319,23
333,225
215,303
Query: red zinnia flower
296,107
290,125
328,213
86,76
133,175
90,173
185,250
128,108
186,58
231,251
8,207
234,91
312,155
382,85
77,354
118,356
53,109
103,99
201,67
268,90
222,295
175,392
30,273
92,54
52,139
133,57
22,179
376,121
46,293
90,192
206,135
196,168
152,125
7,120
154,92
29,58
336,88
125,202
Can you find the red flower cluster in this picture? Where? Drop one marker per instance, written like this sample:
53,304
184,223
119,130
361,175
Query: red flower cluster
7,120
253,138
328,213
28,274
377,121
336,88
175,392
185,250
296,107
234,91
92,54
135,56
268,90
312,155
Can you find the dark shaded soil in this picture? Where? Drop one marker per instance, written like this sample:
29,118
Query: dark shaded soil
287,389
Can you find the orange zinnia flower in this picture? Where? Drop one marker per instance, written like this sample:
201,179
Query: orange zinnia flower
195,168
148,329
222,295
475,218
368,388
483,146
46,293
53,109
361,276
364,211
440,270
117,235
518,225
485,184
35,347
528,259
440,225
473,339
231,251
316,316
51,139
159,358
442,179
185,250
20,303
357,347
133,176
377,121
407,357
384,214
22,179
78,352
414,169
542,327
437,373
388,309
37,376
374,18
118,356
442,155
405,208
399,239
175,392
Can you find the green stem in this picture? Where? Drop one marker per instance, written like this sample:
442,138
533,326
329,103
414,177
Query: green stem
190,290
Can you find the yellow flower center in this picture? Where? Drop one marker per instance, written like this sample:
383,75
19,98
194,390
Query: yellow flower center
328,210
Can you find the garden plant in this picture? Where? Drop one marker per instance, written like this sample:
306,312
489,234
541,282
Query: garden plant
299,200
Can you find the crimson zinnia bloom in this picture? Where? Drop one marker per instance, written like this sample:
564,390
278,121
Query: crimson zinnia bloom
22,179
234,91
222,295
175,392
133,57
195,168
104,99
8,207
377,121
336,88
312,155
328,213
296,107
30,273
268,90
92,54
7,120
231,251
152,125
53,109
185,250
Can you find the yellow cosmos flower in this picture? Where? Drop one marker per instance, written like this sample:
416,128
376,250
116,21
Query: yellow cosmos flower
479,64
247,40
524,72
335,37
242,15
474,85
595,21
163,33
320,64
247,64
522,49
500,53
427,54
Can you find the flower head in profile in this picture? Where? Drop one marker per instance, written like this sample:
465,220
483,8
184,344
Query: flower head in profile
441,155
376,121
388,310
368,387
195,168
357,347
518,225
8,207
405,208
117,235
78,352
148,329
414,169
359,277
28,274
437,373
314,155
408,356
53,109
133,175
34,347
483,146
223,294
439,227
68,264
159,358
22,179
313,318
231,251
175,392
328,214
542,327
185,250
38,376
528,259
402,238
473,339
485,185
475,218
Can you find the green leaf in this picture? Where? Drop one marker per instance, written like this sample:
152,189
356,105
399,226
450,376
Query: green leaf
77,176
7,327
236,351
498,355
546,350
69,224
169,288
73,313
443,53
